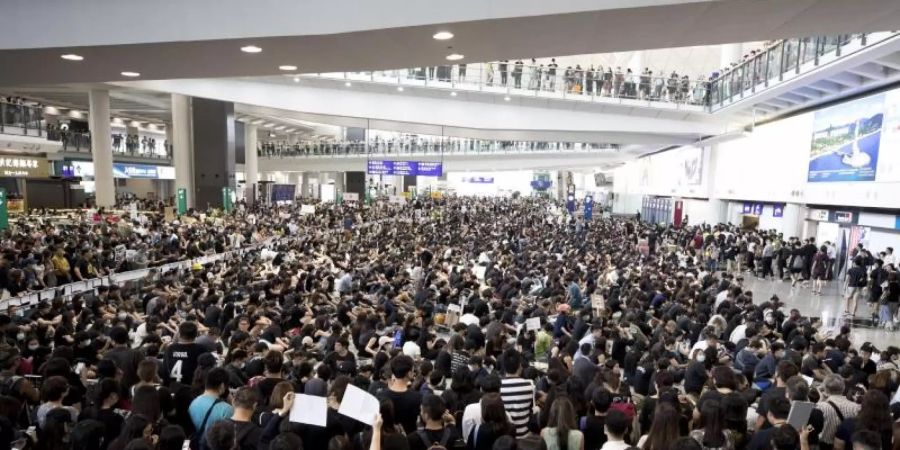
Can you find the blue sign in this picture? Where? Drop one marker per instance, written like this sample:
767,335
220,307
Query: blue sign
411,168
541,185
748,208
570,203
136,171
757,209
485,180
588,207
778,210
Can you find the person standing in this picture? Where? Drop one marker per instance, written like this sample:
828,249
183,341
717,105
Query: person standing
551,74
180,360
504,68
516,392
517,73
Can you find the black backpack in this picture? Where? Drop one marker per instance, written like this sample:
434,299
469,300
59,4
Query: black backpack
442,445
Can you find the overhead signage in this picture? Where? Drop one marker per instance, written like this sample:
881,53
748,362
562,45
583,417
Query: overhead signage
407,168
757,209
485,180
778,210
122,170
23,167
820,215
843,217
747,209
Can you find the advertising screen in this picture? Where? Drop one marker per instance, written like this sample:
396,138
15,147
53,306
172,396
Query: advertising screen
846,141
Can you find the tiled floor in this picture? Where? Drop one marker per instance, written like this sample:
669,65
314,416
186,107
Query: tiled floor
828,306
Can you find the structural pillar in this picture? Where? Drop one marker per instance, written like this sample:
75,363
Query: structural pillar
182,147
212,133
101,148
251,162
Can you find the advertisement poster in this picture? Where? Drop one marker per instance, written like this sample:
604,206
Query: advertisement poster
845,141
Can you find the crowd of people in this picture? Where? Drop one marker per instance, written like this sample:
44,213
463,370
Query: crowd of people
590,80
486,324
412,144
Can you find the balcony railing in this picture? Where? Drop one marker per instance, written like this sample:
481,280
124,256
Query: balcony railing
580,84
81,143
451,146
783,61
21,119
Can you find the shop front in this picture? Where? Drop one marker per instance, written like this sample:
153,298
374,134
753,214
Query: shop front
143,181
28,184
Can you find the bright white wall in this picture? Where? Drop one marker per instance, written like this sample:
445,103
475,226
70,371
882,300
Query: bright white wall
505,182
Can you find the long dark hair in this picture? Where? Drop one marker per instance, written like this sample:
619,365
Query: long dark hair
711,421
875,413
664,429
562,417
493,415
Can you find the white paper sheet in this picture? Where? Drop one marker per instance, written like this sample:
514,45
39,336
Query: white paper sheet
533,323
359,404
309,409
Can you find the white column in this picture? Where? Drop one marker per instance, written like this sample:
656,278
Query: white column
182,148
101,148
251,161
730,53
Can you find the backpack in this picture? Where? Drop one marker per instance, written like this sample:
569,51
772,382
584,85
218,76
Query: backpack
442,445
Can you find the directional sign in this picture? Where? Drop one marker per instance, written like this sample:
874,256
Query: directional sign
4,213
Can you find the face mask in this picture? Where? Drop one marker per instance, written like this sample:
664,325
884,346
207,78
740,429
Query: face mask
33,347
122,316
701,357
85,342
20,336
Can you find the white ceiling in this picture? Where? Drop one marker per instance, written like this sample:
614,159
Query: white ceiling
200,39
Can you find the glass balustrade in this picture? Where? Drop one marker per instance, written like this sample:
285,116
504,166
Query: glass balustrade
783,60
21,119
584,84
407,147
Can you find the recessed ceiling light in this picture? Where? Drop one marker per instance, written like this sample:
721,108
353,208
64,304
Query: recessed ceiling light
287,67
443,35
455,57
506,98
453,94
348,84
399,88
130,74
296,79
72,57
251,49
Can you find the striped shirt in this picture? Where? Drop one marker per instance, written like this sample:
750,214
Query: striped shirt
832,419
518,399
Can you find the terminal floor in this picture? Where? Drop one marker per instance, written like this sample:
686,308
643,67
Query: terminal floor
828,306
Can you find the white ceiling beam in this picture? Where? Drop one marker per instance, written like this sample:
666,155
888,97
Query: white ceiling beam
870,70
847,79
808,92
892,61
796,98
826,87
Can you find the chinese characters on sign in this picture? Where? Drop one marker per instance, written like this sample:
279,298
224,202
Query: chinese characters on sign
411,168
23,167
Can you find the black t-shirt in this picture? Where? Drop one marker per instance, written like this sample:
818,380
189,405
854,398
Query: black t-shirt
594,433
857,276
406,407
180,362
766,398
695,377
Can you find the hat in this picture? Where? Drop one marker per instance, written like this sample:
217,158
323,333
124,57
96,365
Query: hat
412,349
307,341
197,266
